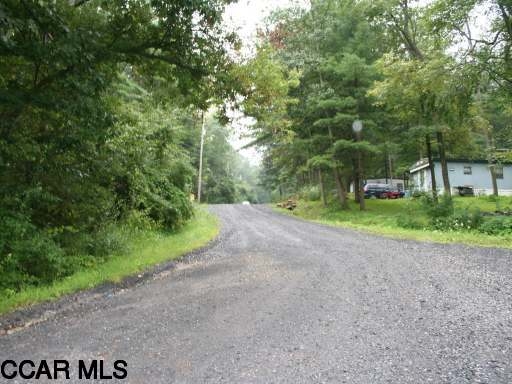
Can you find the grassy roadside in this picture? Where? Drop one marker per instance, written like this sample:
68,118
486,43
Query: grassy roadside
148,249
382,215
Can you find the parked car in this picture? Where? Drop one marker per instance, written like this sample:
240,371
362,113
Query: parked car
395,194
382,191
378,191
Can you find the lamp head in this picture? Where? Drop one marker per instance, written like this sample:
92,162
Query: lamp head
357,126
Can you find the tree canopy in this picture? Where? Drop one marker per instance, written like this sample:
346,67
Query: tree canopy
416,74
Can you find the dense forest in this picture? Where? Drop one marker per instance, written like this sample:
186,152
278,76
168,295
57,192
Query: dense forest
424,79
101,105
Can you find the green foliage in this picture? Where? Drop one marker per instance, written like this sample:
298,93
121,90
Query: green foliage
98,125
461,221
322,162
227,176
147,246
444,216
417,194
434,210
409,222
311,76
311,193
499,225
404,218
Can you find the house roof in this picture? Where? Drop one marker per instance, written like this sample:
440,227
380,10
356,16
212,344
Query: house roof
423,163
471,161
419,165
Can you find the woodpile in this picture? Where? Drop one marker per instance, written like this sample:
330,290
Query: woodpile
289,204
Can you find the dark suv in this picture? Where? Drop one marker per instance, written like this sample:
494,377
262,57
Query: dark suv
379,191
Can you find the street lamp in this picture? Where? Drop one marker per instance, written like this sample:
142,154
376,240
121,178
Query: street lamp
357,127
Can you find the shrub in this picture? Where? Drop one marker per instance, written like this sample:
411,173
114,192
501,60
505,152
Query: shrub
171,208
409,222
138,221
275,196
311,193
109,239
498,225
443,208
417,194
454,223
27,254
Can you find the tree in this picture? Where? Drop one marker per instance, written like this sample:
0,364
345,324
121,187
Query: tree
330,49
438,89
94,98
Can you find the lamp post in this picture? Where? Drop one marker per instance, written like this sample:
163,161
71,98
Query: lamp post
357,127
200,176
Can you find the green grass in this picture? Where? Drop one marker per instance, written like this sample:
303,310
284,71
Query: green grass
148,249
381,218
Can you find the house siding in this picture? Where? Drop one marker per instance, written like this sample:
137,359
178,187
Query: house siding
479,179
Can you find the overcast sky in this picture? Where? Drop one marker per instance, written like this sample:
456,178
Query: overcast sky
246,16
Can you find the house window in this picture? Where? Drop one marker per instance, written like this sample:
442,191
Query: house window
467,170
498,171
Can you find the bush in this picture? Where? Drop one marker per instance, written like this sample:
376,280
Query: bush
417,194
115,238
498,225
465,220
443,208
108,240
137,221
409,222
171,208
275,196
310,193
27,255
442,215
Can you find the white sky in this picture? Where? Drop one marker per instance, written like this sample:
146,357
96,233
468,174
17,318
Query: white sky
245,17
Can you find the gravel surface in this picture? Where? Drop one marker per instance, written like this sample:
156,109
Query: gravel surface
280,300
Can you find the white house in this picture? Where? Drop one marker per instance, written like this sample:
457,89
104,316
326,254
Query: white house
466,173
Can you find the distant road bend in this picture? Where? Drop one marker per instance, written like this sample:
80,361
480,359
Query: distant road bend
280,300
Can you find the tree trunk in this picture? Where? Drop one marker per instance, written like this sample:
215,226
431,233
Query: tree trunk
386,168
390,170
322,188
492,164
492,168
431,166
444,165
340,189
356,181
360,192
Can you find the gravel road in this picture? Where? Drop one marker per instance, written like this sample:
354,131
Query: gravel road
280,300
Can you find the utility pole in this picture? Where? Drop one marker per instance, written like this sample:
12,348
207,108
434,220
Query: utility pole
200,177
357,127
